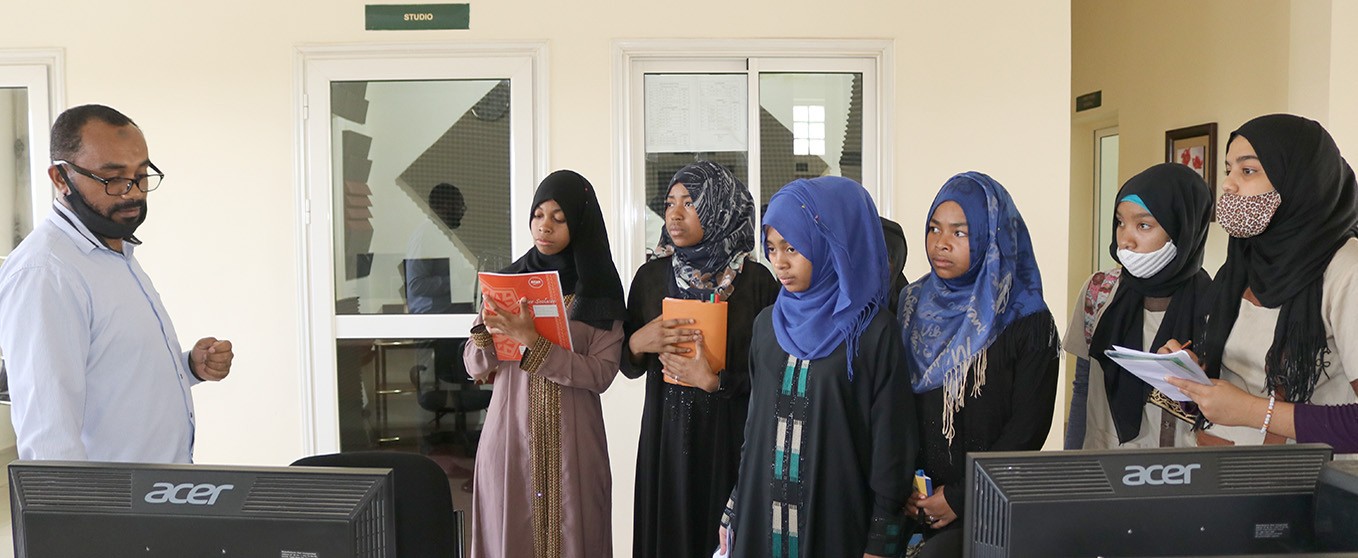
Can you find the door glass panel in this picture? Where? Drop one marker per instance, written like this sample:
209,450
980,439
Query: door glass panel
16,217
810,125
1107,153
412,395
421,192
691,117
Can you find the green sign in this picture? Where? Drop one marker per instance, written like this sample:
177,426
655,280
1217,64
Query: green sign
402,17
1089,101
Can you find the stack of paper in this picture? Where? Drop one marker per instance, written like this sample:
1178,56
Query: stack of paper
1154,368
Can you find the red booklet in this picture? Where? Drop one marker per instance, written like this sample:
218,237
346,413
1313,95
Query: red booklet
543,291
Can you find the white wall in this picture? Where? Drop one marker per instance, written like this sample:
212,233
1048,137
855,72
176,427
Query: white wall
979,85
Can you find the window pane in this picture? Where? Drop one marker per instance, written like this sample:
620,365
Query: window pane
688,118
412,395
1107,152
832,104
421,192
16,219
408,394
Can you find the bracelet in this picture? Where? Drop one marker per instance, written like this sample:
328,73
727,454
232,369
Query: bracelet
1268,417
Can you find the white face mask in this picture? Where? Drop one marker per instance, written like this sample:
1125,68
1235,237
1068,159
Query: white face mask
1146,265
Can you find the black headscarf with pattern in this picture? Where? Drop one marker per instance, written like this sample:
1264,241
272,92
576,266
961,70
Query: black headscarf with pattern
726,213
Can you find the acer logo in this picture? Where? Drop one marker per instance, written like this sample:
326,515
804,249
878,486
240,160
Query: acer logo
1159,474
186,493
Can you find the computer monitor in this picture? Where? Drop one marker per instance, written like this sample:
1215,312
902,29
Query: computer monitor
77,510
1337,507
1160,502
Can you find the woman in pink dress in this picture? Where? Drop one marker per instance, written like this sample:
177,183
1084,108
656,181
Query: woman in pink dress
543,485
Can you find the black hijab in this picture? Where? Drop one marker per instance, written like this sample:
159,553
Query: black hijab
586,265
1285,265
1179,200
896,251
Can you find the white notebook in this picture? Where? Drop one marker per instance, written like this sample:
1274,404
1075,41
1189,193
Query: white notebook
1153,368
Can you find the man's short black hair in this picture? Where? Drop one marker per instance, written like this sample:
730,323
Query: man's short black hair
66,132
447,202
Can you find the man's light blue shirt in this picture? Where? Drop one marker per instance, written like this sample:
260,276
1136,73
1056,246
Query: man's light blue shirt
95,368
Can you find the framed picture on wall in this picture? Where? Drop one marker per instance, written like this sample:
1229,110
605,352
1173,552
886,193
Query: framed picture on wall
1196,147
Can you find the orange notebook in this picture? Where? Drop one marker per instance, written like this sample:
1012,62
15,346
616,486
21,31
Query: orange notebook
710,318
543,291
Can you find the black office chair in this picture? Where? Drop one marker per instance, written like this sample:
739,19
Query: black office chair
427,526
448,391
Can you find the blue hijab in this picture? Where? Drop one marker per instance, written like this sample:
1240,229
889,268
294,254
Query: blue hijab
832,222
948,324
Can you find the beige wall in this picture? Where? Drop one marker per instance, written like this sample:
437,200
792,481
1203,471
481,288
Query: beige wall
1343,117
979,85
1162,65
1165,64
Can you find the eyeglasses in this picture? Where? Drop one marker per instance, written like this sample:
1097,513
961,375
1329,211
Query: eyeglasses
118,185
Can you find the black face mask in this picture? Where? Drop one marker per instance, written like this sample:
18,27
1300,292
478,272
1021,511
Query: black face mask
98,224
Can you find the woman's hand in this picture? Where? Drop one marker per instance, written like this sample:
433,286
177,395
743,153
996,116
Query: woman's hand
694,371
1223,403
721,541
1173,346
504,321
938,514
662,336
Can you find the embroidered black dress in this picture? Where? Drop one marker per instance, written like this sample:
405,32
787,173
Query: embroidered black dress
826,466
690,439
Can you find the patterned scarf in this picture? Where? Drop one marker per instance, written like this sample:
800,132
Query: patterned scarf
948,324
726,213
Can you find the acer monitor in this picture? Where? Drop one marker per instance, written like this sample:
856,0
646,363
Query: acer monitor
1337,507
1155,502
78,510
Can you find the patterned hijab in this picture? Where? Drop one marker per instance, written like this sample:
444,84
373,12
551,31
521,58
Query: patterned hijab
948,324
726,213
833,222
586,265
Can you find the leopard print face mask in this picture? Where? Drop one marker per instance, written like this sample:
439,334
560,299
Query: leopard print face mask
1247,216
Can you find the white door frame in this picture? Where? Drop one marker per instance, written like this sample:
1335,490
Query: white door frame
41,72
523,63
634,57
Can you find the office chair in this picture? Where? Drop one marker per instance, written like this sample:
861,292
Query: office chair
449,390
427,526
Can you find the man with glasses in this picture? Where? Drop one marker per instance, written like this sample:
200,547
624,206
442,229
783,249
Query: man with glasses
95,367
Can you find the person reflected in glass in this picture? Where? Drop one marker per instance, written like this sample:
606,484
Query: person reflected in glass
440,270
